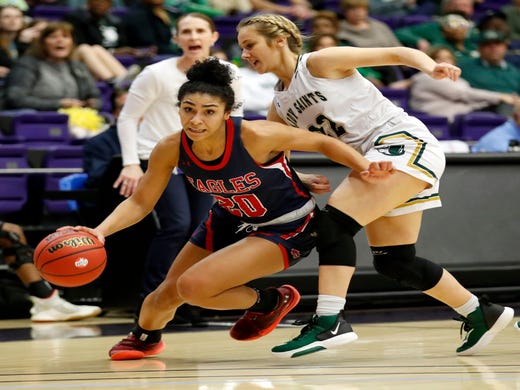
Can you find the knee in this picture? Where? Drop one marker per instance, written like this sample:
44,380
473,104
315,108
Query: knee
335,243
192,288
165,297
400,263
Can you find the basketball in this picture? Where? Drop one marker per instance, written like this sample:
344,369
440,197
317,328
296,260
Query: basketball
70,258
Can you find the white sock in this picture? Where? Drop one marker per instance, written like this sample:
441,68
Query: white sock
329,305
469,307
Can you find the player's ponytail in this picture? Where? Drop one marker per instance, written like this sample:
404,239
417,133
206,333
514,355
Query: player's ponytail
212,77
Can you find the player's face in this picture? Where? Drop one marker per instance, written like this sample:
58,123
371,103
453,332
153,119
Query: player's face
194,37
202,116
255,49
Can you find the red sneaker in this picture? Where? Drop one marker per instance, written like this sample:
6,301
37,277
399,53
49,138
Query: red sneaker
253,325
131,348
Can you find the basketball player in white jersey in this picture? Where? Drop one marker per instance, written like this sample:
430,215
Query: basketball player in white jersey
322,91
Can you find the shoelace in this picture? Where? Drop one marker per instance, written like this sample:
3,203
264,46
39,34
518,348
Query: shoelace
129,341
465,326
307,328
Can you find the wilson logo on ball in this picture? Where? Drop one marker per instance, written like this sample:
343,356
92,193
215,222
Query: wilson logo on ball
81,263
73,242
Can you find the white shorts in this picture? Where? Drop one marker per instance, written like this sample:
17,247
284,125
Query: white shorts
417,153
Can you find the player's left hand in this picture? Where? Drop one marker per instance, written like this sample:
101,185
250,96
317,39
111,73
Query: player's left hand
377,171
444,70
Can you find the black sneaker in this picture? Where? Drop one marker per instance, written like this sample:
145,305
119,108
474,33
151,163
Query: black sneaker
483,325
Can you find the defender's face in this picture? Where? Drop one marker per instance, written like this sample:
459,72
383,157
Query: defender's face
255,49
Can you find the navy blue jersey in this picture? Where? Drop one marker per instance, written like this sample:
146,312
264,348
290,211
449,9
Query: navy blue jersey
255,193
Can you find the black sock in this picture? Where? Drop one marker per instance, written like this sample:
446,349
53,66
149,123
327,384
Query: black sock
147,336
266,302
40,289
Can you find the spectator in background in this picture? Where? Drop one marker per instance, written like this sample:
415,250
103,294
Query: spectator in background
257,90
184,6
499,139
421,36
15,36
494,20
46,78
11,23
447,97
324,22
96,32
392,8
99,150
512,12
321,41
491,71
148,25
47,305
22,5
361,30
455,32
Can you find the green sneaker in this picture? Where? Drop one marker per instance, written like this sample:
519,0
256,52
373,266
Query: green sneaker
321,333
483,325
517,325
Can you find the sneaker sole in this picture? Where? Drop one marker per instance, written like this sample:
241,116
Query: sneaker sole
135,355
319,346
502,321
69,318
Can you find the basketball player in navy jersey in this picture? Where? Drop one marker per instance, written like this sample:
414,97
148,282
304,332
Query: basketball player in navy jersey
263,220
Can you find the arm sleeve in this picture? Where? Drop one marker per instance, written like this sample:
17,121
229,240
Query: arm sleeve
143,92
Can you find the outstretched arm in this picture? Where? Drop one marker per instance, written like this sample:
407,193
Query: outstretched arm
336,62
262,138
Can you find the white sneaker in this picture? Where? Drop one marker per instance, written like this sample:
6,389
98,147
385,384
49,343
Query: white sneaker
61,330
55,308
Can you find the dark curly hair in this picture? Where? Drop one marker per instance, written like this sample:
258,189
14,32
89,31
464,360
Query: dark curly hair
210,76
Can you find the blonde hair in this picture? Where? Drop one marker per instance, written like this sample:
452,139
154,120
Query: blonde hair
272,26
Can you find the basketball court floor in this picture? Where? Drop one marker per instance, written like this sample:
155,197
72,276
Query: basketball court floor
411,353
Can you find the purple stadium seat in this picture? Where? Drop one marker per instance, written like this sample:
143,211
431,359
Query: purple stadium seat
13,187
41,128
411,20
438,125
106,90
67,156
227,25
398,96
49,12
472,126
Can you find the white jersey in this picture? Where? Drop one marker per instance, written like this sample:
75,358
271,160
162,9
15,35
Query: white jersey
353,110
151,112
